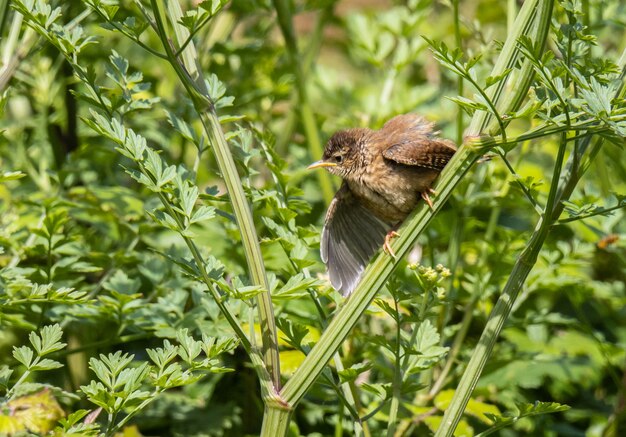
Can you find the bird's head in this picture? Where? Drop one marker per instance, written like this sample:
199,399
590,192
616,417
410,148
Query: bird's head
343,153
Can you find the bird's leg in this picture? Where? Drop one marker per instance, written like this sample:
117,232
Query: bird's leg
387,247
426,197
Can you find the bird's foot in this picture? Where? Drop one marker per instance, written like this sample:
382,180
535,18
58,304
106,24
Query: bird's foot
387,247
426,197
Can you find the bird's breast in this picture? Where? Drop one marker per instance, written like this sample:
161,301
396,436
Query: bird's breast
389,190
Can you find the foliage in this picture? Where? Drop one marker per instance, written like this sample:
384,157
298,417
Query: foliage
159,234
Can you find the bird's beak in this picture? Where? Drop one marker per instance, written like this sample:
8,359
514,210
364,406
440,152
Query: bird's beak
321,164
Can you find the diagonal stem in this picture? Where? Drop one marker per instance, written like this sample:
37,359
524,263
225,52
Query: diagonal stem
192,79
382,266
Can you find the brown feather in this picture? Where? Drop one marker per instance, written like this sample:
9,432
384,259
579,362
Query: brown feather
422,152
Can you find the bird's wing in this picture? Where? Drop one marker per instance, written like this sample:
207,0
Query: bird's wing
413,123
420,151
351,235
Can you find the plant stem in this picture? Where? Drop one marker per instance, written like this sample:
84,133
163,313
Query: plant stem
397,376
348,396
459,44
382,266
310,53
591,214
376,275
494,325
531,20
528,257
193,81
275,421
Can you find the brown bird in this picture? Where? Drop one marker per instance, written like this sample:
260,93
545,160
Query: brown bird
385,173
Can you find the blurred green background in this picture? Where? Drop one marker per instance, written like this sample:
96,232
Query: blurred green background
76,219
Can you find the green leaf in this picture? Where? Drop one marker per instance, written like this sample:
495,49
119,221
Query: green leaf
293,333
188,348
11,176
212,6
469,106
295,287
188,196
381,391
492,80
524,410
426,349
164,219
182,128
352,373
203,213
48,342
121,283
24,355
5,376
45,364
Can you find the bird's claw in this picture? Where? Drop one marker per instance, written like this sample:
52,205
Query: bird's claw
426,197
387,246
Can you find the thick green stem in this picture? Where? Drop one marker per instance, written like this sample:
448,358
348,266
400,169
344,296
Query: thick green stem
382,266
499,315
192,79
275,421
542,10
375,276
533,20
397,374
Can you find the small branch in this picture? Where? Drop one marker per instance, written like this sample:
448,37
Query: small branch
124,32
397,375
184,45
523,187
591,214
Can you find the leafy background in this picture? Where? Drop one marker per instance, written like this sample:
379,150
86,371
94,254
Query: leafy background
102,305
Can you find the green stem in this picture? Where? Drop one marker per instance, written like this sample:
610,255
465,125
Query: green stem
376,275
460,83
135,410
385,94
397,376
14,51
468,315
382,266
511,13
494,325
531,20
591,214
4,12
275,421
310,53
19,382
193,81
528,257
519,183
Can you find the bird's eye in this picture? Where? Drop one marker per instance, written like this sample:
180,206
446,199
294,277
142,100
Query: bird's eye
338,159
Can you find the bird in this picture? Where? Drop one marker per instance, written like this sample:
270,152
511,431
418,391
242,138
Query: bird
385,173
